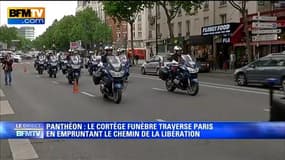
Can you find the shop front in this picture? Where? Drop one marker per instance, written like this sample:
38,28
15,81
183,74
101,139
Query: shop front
221,42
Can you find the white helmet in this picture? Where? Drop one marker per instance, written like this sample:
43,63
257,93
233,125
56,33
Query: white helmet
177,48
108,48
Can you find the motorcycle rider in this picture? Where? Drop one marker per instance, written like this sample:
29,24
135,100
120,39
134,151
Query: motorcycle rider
177,54
108,52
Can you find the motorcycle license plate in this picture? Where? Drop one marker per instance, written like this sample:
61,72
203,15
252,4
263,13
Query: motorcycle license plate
76,73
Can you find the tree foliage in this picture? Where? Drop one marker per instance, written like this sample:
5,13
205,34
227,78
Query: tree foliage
171,9
84,26
8,34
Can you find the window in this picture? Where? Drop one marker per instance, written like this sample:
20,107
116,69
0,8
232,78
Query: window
150,34
134,27
158,12
139,18
260,63
172,26
206,5
179,27
188,26
223,18
275,63
139,34
206,21
158,28
223,3
139,27
134,34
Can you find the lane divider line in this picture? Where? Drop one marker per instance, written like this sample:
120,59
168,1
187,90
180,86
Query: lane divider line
55,82
22,149
5,108
160,120
2,93
88,94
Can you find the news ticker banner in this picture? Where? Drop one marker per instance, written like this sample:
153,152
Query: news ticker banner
142,130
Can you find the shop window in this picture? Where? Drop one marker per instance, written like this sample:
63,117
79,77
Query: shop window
139,27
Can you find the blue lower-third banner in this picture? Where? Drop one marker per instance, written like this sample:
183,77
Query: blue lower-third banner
142,130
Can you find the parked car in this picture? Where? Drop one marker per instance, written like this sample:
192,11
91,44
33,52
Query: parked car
154,64
270,66
17,58
203,65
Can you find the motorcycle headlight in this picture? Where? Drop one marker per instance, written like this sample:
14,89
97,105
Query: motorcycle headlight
192,70
75,66
117,74
53,63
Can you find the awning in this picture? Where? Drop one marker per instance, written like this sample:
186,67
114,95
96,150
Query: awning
263,43
199,40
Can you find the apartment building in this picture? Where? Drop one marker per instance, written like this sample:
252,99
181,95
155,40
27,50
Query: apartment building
27,32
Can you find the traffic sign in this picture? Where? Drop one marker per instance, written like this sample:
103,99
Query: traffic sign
265,25
264,18
266,37
266,31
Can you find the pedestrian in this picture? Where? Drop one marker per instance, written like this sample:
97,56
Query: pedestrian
8,68
232,61
137,59
151,53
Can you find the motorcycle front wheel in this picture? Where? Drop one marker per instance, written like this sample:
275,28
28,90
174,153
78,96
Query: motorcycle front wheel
169,85
193,88
118,96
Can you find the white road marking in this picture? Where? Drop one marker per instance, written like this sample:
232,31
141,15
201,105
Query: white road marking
22,149
159,89
1,93
38,76
160,120
55,82
5,108
266,110
88,94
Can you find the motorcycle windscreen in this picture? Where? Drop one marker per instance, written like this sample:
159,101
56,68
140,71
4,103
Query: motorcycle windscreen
75,59
115,62
188,60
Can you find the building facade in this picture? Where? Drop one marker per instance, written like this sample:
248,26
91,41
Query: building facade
27,32
188,28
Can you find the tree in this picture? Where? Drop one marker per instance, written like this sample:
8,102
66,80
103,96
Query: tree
84,26
171,9
125,11
242,8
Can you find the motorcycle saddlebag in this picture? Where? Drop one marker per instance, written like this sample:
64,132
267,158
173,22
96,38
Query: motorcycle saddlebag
163,73
97,77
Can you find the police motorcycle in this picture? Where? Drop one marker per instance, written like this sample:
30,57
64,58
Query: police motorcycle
93,64
183,76
52,67
63,63
125,63
74,69
41,64
110,76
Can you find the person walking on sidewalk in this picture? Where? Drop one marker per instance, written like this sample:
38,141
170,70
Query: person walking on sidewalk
232,61
8,68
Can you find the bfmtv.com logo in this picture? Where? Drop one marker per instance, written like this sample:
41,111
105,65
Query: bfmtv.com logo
26,15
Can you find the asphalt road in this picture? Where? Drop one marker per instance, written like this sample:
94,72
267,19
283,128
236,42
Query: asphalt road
40,98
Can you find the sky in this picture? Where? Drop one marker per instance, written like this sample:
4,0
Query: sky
53,10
